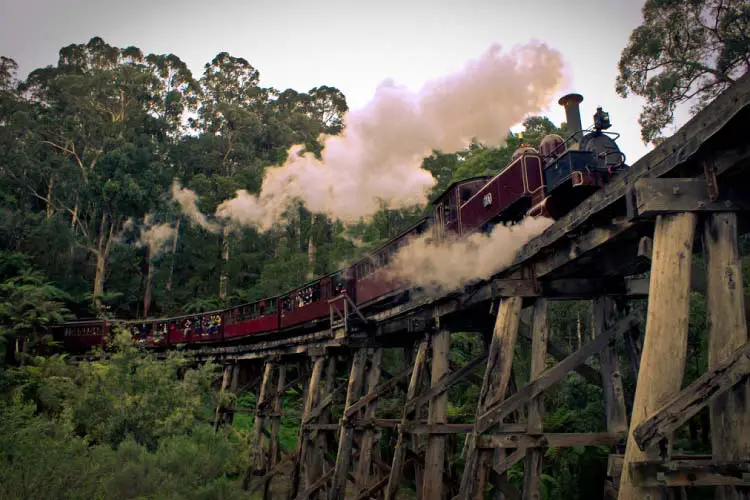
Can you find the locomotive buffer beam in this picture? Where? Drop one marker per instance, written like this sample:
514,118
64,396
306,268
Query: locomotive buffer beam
650,197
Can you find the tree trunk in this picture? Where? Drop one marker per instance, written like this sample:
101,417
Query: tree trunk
74,218
149,277
102,254
50,185
225,258
174,253
101,267
311,250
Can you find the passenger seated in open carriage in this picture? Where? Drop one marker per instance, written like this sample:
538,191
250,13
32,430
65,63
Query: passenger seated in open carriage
187,327
159,333
214,323
286,305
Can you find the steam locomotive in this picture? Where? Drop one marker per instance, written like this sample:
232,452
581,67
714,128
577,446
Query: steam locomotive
547,182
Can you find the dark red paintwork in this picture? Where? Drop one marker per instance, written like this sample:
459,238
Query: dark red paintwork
81,335
518,182
294,311
204,327
152,333
371,273
446,207
249,319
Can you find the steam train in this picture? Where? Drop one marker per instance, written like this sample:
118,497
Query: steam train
548,182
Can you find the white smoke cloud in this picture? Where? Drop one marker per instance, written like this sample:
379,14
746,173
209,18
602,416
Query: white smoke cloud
376,161
188,201
441,267
155,236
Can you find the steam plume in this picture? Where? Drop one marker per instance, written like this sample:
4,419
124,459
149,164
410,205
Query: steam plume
376,161
188,201
445,266
155,236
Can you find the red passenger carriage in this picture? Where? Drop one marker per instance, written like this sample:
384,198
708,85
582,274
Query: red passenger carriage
81,335
371,273
310,302
251,319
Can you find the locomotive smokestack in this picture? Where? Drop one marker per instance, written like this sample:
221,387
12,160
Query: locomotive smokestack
573,115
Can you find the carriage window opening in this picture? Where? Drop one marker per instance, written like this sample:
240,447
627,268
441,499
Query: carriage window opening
465,195
271,307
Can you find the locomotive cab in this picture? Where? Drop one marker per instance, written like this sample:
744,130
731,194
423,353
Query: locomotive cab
576,168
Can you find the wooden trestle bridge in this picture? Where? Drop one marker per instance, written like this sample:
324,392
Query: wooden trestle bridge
634,239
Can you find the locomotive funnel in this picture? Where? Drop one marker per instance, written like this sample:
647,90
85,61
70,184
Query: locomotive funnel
573,114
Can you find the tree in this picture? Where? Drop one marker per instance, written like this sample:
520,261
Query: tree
685,51
95,113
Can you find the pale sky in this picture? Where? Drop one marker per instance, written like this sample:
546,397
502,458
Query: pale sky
352,45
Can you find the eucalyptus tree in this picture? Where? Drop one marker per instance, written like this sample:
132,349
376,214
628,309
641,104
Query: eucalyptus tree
685,51
95,113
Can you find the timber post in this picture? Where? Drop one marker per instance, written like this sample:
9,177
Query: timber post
666,338
399,452
494,384
346,432
539,340
368,435
257,452
727,332
432,486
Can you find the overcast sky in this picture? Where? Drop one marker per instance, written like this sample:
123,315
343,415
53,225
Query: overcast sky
352,45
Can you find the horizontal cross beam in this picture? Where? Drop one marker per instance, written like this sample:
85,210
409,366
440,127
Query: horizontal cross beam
693,398
650,197
562,440
690,473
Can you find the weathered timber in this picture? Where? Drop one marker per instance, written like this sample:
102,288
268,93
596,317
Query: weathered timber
445,383
368,437
375,392
274,451
346,435
508,461
233,385
727,331
225,380
614,397
492,416
560,440
494,385
680,408
559,353
698,281
399,452
540,337
318,484
657,474
274,471
324,403
666,336
614,462
579,245
302,440
432,485
653,196
258,460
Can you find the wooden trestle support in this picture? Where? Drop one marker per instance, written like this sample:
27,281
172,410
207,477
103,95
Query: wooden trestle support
344,451
352,466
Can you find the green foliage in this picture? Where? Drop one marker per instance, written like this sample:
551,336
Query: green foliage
685,51
130,426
